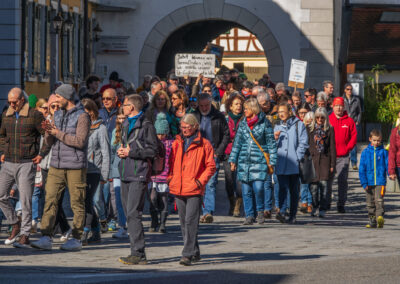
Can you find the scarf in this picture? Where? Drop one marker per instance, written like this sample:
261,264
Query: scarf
252,122
235,117
319,137
132,121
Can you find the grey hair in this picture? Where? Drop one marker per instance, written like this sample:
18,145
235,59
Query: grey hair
280,86
204,96
327,83
309,116
321,111
262,94
321,96
190,119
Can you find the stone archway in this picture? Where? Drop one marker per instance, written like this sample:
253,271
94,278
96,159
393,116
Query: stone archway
210,10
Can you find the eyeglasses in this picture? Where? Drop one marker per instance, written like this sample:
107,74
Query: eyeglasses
303,112
107,99
54,106
185,127
319,117
125,105
192,99
349,89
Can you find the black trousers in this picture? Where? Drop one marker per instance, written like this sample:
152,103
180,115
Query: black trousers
92,183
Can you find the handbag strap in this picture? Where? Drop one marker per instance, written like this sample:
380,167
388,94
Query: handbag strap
261,149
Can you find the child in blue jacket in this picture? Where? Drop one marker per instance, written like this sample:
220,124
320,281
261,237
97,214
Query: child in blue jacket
373,171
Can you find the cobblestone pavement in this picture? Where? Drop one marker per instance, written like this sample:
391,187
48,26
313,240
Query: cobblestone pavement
336,249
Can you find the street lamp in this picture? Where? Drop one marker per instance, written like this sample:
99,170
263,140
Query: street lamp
68,24
58,22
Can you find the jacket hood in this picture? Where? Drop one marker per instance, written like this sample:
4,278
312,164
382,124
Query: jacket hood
345,116
292,120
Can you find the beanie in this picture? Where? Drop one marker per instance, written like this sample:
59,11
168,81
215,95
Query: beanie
66,91
161,124
338,101
114,76
32,100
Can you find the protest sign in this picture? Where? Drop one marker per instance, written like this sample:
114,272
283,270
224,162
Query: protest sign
297,74
187,64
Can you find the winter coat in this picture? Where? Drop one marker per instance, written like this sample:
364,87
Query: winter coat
162,178
220,130
99,150
232,132
394,151
326,160
292,145
353,108
373,168
250,161
20,138
109,119
137,166
114,159
345,134
190,171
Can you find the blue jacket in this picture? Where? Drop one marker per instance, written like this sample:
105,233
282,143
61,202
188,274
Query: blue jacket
250,161
373,166
109,119
292,145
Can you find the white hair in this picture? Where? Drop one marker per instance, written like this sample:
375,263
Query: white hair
321,111
321,96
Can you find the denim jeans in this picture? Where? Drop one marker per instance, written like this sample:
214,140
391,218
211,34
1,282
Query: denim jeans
353,156
99,203
319,191
253,197
209,196
289,184
305,194
121,215
271,192
37,203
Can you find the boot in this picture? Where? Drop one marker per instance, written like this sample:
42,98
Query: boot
154,221
95,238
238,204
164,216
231,205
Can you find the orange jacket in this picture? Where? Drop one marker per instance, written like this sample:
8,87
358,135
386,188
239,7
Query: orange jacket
190,171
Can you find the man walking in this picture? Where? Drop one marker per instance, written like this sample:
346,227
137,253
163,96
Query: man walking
20,133
68,137
139,147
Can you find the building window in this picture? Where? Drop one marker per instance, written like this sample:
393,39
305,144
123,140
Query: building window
29,32
36,40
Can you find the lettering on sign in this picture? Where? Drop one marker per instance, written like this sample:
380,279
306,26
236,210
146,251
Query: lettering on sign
187,64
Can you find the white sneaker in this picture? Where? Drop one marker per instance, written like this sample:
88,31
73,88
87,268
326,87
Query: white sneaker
66,236
34,227
121,234
44,243
72,245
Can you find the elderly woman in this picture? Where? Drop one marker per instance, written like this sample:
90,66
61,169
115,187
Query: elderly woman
323,153
191,166
292,139
254,131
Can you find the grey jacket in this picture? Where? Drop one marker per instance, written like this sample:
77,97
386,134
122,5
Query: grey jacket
353,108
99,150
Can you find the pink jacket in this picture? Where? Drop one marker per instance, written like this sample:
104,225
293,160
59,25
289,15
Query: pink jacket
162,178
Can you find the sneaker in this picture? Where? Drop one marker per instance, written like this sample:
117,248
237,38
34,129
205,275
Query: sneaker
248,221
16,228
267,214
196,258
162,229
292,220
303,208
152,230
186,261
355,168
22,243
104,226
121,234
260,218
72,245
112,226
314,212
208,218
372,223
322,214
65,237
380,222
280,217
44,243
95,238
133,260
85,237
34,227
340,209
309,208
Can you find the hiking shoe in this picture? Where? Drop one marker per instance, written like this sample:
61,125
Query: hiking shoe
95,238
267,214
303,208
280,217
133,260
72,245
16,229
321,214
380,222
121,234
112,226
104,226
372,223
340,209
208,218
355,168
248,221
186,261
260,218
65,237
44,243
309,208
196,258
22,243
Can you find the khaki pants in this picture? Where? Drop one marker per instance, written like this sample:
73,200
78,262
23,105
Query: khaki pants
57,181
375,200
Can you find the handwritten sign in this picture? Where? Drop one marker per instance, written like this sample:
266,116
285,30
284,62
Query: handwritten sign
187,64
297,74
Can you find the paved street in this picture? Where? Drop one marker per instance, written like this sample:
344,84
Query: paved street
333,250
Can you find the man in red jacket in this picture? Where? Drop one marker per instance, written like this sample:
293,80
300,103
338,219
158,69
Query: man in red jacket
346,139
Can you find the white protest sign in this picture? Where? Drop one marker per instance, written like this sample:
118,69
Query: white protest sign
297,74
187,64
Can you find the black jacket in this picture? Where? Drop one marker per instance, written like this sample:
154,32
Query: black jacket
137,166
353,108
220,130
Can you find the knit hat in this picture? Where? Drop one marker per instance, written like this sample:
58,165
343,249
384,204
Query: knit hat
114,76
66,91
32,100
52,100
338,101
161,124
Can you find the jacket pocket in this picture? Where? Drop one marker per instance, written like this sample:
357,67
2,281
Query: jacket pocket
28,147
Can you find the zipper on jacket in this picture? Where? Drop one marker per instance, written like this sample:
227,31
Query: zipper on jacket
15,137
374,165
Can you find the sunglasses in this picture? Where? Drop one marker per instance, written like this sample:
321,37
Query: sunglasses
54,107
349,89
192,99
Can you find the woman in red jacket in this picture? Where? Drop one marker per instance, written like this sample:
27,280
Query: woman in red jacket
394,154
191,165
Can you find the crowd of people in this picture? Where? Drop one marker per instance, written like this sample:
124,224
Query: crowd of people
112,149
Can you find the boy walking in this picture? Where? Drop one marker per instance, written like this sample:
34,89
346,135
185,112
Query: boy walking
373,171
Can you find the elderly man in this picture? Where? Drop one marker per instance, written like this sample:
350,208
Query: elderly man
214,128
155,87
280,90
322,101
20,133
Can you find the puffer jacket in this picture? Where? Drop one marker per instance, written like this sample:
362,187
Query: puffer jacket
190,171
250,161
99,150
292,145
162,178
373,168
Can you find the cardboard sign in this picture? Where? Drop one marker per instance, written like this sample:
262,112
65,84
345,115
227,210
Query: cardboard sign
218,51
188,64
297,75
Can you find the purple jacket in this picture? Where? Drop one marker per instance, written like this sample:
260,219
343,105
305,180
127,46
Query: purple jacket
162,178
